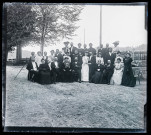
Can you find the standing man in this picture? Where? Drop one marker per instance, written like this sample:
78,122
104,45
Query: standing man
59,58
72,51
45,57
80,50
102,50
91,49
72,48
66,48
85,49
110,56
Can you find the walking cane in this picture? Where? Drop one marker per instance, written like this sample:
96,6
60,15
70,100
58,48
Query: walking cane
20,70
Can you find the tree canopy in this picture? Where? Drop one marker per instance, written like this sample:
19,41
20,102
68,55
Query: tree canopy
55,22
20,24
41,23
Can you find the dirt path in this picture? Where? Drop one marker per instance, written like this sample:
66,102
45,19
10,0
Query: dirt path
72,104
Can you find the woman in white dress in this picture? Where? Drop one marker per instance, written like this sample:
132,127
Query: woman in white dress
100,58
118,55
85,68
118,73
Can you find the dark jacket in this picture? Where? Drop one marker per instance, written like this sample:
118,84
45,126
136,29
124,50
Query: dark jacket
102,50
101,67
92,50
60,59
64,49
76,65
30,66
81,50
73,50
110,57
44,67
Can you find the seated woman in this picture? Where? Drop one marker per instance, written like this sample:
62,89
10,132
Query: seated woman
44,73
108,72
99,57
66,71
128,78
97,77
118,72
118,55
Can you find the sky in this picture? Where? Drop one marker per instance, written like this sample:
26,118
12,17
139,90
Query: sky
119,23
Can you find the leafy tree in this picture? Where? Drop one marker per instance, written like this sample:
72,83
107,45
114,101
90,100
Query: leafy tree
20,24
55,22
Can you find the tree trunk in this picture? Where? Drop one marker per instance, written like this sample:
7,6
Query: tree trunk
42,45
18,54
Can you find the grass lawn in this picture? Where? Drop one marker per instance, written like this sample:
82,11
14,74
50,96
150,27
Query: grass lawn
72,104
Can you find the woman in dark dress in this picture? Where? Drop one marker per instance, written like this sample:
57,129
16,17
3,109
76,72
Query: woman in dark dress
128,78
97,77
44,73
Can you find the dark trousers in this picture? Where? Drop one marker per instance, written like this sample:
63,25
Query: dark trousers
76,75
107,76
67,76
91,71
53,75
33,76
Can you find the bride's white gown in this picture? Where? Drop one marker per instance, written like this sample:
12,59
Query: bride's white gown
85,69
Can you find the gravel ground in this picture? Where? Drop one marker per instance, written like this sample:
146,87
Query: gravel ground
72,104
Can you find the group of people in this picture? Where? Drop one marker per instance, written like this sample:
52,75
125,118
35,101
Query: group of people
77,64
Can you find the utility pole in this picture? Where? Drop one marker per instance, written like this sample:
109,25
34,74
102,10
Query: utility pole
100,24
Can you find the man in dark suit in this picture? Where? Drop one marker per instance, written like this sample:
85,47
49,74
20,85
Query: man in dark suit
108,72
102,50
76,70
59,57
80,50
72,51
45,57
66,48
110,56
91,49
72,48
85,49
106,50
32,68
92,64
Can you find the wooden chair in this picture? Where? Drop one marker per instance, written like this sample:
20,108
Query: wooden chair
137,74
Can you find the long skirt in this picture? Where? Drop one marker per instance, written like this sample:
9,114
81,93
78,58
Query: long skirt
44,77
128,78
97,77
85,72
117,77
